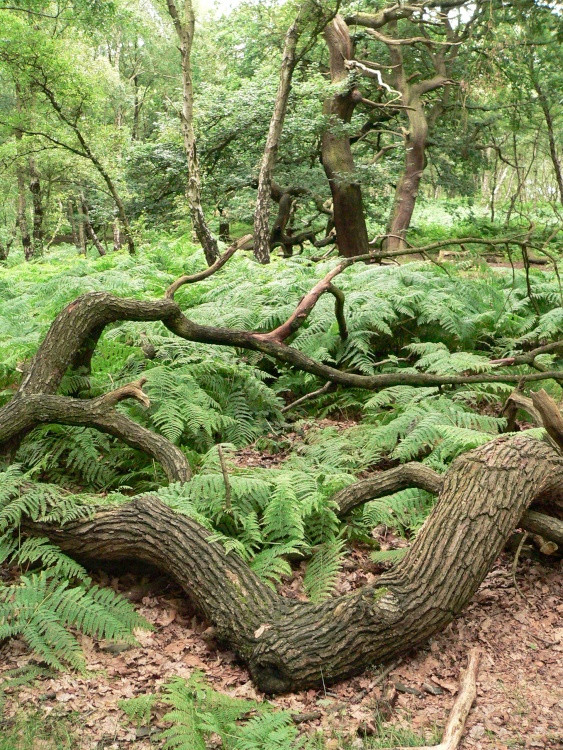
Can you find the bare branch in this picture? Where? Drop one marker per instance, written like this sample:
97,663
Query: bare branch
219,263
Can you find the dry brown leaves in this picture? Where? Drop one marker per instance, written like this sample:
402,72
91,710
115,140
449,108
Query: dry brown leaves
520,685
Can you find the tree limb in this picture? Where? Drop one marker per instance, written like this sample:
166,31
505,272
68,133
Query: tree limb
219,263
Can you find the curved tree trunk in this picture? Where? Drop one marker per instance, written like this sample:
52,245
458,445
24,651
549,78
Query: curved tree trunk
262,211
407,187
290,645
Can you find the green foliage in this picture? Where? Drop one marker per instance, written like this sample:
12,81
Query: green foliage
322,569
42,609
57,594
197,712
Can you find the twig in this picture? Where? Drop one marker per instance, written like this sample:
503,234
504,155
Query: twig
386,672
461,708
325,389
228,491
515,565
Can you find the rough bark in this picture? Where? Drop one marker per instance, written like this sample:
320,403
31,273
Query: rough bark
21,213
290,645
338,161
407,187
185,29
37,203
262,211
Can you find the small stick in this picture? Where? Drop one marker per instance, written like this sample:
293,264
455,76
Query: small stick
461,708
515,565
226,479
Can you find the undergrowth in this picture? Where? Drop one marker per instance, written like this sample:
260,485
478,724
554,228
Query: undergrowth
417,318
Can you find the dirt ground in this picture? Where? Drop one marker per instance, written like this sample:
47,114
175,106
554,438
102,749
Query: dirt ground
520,684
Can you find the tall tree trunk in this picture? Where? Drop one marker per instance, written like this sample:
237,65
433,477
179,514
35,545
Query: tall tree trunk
21,212
37,202
89,228
338,162
407,187
116,235
72,224
137,104
262,211
185,29
81,228
21,205
546,109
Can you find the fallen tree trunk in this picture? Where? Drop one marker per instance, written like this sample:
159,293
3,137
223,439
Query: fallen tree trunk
289,644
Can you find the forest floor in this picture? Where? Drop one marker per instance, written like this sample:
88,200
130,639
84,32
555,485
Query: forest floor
520,683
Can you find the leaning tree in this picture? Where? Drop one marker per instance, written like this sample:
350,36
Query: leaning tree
510,482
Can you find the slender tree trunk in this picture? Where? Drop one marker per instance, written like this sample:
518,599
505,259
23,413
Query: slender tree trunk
21,206
21,213
116,235
185,29
72,224
544,104
407,187
37,201
338,162
89,228
262,211
136,109
81,228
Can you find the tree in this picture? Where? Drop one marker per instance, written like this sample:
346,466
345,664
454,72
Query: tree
290,58
185,30
288,644
54,99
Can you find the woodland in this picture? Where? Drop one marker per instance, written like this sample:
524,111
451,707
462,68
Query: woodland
281,332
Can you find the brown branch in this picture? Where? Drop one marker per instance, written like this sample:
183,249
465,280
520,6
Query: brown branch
26,411
219,263
461,708
130,390
303,309
546,526
550,415
529,357
339,300
393,42
386,483
319,392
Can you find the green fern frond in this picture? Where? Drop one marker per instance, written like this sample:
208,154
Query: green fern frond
323,569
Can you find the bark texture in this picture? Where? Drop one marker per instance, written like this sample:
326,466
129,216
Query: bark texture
185,30
338,161
262,211
290,645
